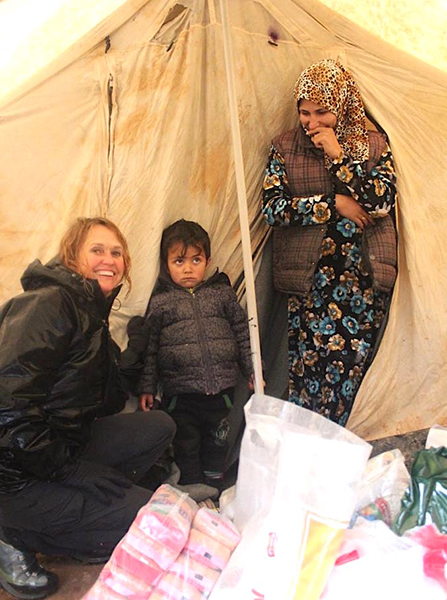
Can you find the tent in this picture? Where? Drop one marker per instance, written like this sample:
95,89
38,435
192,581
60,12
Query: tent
130,119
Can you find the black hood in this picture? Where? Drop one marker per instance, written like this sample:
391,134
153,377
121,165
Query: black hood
164,282
38,276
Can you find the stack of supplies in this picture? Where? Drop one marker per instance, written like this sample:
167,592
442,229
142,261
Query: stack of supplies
172,551
152,544
211,541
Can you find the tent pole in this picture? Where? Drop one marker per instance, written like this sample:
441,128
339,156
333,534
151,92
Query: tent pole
242,202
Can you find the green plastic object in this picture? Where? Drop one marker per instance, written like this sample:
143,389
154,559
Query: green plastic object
425,501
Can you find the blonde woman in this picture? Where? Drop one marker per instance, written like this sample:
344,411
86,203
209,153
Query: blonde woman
68,463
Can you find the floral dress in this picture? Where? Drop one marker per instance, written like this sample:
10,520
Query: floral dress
334,328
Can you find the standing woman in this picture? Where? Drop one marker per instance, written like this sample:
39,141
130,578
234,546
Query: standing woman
68,464
329,192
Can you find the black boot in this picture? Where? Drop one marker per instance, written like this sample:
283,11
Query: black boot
91,559
22,576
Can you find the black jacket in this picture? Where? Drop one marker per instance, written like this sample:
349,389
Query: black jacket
197,341
58,372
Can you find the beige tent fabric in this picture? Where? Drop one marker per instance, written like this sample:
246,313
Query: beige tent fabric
415,27
67,29
141,134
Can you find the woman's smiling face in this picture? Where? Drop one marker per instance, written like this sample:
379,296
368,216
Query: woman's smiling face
314,115
101,258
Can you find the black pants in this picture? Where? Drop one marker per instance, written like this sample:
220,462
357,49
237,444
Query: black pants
201,441
54,519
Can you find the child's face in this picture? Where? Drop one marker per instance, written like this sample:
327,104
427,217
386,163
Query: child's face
187,269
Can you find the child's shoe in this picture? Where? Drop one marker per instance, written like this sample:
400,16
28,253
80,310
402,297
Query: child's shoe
198,491
215,480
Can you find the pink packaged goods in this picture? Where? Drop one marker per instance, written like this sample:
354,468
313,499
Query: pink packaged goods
152,544
195,573
198,567
161,528
168,519
109,586
217,527
175,588
204,549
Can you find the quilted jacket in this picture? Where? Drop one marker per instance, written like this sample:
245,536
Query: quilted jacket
197,340
58,372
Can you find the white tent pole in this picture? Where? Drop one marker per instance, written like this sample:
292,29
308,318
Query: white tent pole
242,201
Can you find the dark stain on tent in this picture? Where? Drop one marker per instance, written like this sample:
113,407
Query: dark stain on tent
138,80
274,36
209,173
135,127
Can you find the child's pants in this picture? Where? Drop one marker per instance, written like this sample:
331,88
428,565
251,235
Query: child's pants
201,441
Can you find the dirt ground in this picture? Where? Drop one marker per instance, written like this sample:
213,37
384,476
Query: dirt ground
76,578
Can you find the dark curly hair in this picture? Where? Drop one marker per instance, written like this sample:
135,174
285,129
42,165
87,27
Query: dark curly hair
188,233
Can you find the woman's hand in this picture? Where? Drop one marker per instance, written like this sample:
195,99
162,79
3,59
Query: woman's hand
351,209
324,137
146,402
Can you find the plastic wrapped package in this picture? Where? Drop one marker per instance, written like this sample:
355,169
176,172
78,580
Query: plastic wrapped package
195,572
174,587
152,544
226,502
204,549
218,527
382,486
376,563
193,575
425,501
370,538
435,557
295,495
437,436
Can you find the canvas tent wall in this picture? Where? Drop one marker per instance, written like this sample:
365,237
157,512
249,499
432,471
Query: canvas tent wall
137,128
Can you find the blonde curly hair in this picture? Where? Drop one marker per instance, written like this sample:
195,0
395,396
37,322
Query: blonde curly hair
73,239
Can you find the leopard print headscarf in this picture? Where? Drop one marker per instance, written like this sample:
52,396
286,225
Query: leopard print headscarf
328,83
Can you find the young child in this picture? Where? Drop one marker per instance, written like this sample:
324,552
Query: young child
198,340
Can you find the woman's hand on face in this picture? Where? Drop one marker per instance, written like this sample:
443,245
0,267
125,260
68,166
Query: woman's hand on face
324,137
146,402
351,209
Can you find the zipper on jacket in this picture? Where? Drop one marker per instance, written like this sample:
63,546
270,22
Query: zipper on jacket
203,341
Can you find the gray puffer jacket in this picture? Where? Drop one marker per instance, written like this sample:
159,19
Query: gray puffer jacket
197,339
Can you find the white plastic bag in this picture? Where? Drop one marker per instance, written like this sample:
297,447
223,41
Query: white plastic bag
295,495
382,487
387,566
437,436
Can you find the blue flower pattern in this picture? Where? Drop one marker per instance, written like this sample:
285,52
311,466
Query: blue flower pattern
340,317
280,208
